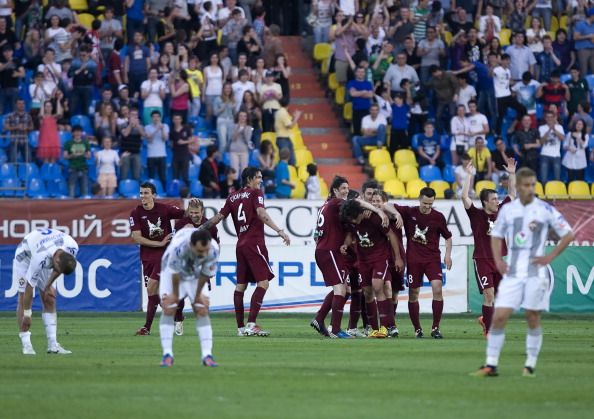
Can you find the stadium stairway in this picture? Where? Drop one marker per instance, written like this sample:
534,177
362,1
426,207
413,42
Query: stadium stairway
322,130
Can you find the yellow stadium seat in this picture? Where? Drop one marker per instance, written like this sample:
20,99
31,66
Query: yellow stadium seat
219,36
347,111
379,156
323,188
395,188
325,67
447,38
302,173
407,173
384,172
270,136
439,186
504,37
298,192
563,22
413,188
293,174
405,158
303,157
539,190
339,95
528,22
483,184
297,140
554,24
86,19
322,51
79,5
332,82
556,189
579,190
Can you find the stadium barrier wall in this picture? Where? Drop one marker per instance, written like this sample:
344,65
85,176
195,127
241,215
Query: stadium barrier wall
109,279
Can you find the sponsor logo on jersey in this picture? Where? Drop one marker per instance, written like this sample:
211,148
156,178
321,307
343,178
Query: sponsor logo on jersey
520,238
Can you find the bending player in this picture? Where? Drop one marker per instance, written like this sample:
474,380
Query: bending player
194,218
524,224
188,264
39,260
423,226
249,215
482,222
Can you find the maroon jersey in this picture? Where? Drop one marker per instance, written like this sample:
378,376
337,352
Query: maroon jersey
330,232
398,233
154,224
372,239
422,233
481,224
243,206
214,232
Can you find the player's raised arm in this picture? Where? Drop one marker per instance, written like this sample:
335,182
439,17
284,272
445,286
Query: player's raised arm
466,186
369,207
266,219
510,168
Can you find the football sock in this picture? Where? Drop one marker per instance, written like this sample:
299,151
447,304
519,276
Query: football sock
25,338
238,304
50,321
364,311
151,310
166,329
355,311
487,316
383,308
413,312
391,313
256,303
395,305
437,307
495,340
179,314
372,315
325,307
204,330
533,344
338,302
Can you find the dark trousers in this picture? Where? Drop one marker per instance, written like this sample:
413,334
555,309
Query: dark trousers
7,97
575,174
284,142
133,26
81,100
135,80
398,140
268,120
157,169
440,119
181,165
508,102
358,115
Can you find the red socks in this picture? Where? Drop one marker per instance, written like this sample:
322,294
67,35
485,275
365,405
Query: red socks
338,302
372,314
256,304
413,312
238,303
355,311
487,316
179,314
437,307
325,308
151,310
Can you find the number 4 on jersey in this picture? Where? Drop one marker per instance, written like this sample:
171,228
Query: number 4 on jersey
241,214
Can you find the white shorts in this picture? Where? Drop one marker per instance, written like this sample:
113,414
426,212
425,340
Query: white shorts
527,293
186,288
20,266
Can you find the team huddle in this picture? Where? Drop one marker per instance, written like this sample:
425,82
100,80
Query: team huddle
359,250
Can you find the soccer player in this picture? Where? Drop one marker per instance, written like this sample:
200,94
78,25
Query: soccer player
194,218
424,226
39,260
527,283
249,215
187,265
481,223
375,242
151,229
393,289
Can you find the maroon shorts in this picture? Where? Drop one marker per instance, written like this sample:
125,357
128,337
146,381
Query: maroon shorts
374,269
332,266
252,264
397,279
417,271
151,269
486,273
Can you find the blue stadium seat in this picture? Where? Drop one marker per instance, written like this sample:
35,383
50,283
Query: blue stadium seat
8,170
36,188
590,80
27,171
565,77
3,156
445,142
539,110
254,158
415,141
9,182
84,122
430,173
196,188
448,173
57,187
64,137
129,188
34,139
226,159
50,171
193,172
158,185
174,187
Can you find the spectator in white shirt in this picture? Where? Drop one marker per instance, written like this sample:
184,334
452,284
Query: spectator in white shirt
241,86
461,174
489,25
157,134
466,92
477,123
521,57
459,131
373,130
107,160
575,146
551,135
399,71
501,81
153,92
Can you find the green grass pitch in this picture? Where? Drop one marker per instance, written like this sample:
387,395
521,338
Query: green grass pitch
293,373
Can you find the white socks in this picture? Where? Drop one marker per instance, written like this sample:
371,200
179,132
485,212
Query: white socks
25,338
533,345
204,330
166,329
50,321
495,340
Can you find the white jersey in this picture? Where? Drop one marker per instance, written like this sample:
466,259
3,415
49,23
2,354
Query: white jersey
180,259
33,259
525,230
501,80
